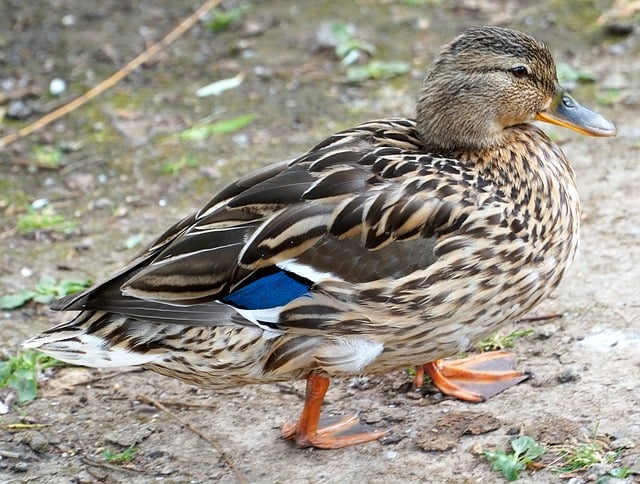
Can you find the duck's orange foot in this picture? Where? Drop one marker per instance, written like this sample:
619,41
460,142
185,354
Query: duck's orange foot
332,433
327,432
475,378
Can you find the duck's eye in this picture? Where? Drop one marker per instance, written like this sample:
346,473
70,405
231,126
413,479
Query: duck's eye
519,71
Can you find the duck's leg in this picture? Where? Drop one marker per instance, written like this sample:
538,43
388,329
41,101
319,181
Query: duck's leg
475,378
325,433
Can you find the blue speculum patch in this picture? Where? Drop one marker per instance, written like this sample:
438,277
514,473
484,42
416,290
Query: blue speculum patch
268,291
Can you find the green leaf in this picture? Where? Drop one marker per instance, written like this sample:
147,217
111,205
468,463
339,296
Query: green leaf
567,73
534,452
620,472
525,450
48,156
20,372
6,369
222,19
120,457
174,167
507,464
44,298
13,301
522,445
347,47
199,133
68,286
133,241
46,291
24,382
43,219
376,70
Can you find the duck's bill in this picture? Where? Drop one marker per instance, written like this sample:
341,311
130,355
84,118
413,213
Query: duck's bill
566,111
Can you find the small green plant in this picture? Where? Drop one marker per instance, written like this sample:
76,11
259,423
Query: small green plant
20,372
225,126
583,455
525,451
175,167
43,219
499,341
377,70
222,19
621,472
47,156
608,97
47,290
133,241
123,457
567,73
347,47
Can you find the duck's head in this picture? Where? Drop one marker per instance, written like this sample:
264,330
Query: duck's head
489,79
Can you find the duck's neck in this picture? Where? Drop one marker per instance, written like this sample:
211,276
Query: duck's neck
525,156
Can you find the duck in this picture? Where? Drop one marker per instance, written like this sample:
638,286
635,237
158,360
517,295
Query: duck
398,243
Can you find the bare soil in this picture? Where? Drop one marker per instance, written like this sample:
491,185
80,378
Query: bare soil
112,184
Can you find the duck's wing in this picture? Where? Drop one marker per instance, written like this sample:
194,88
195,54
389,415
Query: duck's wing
347,210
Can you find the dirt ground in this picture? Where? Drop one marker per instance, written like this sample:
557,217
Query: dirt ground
114,182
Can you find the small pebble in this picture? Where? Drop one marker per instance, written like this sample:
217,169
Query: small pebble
9,454
57,86
597,471
34,439
145,409
39,203
21,467
622,443
478,449
546,331
128,437
568,376
391,439
390,454
69,20
18,109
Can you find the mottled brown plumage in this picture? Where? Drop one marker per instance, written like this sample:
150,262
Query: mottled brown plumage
395,243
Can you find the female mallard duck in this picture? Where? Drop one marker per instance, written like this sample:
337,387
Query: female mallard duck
391,244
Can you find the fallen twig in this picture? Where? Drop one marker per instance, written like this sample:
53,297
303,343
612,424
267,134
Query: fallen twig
241,478
116,77
187,405
23,426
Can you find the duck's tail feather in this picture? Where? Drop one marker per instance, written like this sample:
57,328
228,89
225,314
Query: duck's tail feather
100,339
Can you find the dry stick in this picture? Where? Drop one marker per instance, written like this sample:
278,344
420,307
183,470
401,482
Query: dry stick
189,405
241,478
148,54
